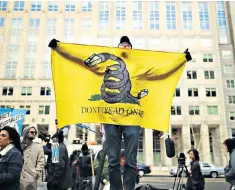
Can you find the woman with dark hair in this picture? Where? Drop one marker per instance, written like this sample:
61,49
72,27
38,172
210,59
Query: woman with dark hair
11,159
195,179
229,170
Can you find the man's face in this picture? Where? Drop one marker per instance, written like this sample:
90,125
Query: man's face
32,133
125,45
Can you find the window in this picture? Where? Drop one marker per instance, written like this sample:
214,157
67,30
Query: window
34,25
212,110
210,92
104,14
7,91
154,15
70,6
52,6
45,91
228,68
26,107
137,15
177,92
191,75
86,6
175,110
206,165
36,5
2,22
44,110
221,22
194,110
171,15
204,16
29,68
7,106
3,5
86,23
69,29
17,23
193,92
187,15
207,58
51,27
120,14
26,91
209,74
19,6
10,71
227,55
46,70
230,83
231,99
232,116
32,48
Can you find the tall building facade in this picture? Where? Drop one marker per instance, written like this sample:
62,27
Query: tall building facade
203,108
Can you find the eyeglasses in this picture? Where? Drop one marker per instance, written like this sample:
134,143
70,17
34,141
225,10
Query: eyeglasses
33,132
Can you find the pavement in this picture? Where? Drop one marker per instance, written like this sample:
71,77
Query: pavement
167,182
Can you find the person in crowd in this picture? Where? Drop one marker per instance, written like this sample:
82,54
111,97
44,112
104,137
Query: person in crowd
59,175
47,152
104,182
11,159
113,134
85,168
195,179
33,159
229,170
74,163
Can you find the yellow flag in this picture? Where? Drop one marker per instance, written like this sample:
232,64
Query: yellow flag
95,84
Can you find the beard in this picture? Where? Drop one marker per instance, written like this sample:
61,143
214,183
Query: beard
31,138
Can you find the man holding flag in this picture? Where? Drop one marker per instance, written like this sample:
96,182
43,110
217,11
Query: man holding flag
122,113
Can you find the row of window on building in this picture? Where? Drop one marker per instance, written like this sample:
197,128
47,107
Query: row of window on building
195,110
42,109
25,91
137,13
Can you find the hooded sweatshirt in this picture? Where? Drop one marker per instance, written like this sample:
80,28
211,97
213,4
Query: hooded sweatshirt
26,142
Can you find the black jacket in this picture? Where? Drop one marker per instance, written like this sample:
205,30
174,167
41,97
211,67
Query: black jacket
229,171
195,178
59,175
85,164
11,166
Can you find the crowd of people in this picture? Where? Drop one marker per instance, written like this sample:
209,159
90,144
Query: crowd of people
22,163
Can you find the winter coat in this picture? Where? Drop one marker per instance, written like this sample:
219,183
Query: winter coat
33,165
229,171
47,151
60,175
195,178
105,174
11,165
85,164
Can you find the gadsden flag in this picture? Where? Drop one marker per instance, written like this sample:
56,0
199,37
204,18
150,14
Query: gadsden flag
95,84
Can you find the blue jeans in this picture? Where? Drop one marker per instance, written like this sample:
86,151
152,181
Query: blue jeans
113,135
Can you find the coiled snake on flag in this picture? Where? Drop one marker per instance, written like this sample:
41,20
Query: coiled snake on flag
118,71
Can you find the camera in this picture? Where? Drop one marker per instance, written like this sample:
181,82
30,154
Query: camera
181,159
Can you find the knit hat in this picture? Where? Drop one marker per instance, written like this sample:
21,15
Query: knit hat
59,135
125,39
84,147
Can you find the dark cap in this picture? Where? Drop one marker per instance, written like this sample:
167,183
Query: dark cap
125,39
